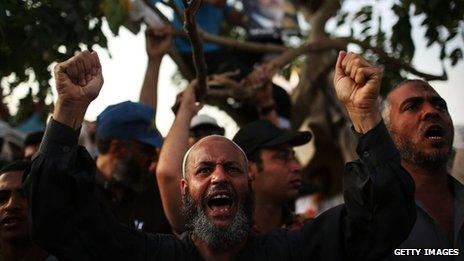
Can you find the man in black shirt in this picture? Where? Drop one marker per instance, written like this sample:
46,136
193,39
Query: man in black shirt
127,141
69,222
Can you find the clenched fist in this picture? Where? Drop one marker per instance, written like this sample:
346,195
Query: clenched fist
78,82
357,84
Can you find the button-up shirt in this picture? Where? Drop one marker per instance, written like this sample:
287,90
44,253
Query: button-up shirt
427,233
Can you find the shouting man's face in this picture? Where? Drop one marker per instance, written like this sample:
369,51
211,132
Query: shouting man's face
216,193
420,124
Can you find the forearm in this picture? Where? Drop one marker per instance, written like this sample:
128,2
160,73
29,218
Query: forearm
69,113
364,120
149,92
169,169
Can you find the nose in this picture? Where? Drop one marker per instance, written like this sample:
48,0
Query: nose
219,175
295,166
14,202
429,111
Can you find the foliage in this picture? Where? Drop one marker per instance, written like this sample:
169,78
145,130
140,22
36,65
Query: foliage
442,22
36,33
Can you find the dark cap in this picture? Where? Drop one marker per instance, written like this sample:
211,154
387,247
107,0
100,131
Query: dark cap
131,121
263,134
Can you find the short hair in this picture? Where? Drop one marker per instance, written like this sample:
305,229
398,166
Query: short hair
255,157
386,106
185,159
19,165
33,138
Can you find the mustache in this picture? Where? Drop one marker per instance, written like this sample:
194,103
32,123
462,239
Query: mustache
429,123
224,186
130,175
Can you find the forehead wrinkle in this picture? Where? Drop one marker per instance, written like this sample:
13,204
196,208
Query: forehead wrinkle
187,162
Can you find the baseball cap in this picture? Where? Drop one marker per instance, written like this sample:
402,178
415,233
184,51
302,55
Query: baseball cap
201,120
263,134
131,121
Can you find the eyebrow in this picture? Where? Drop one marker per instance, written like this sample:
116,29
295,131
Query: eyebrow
437,99
212,163
415,99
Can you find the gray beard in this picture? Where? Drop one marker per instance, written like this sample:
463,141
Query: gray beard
218,238
410,153
128,174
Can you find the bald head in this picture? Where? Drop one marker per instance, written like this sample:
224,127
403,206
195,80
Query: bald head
211,145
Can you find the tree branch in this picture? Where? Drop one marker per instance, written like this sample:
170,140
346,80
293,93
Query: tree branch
190,27
319,19
236,44
183,68
321,44
392,60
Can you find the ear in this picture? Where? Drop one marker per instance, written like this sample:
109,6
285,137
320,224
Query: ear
252,170
183,187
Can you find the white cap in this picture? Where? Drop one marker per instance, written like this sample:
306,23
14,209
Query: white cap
203,119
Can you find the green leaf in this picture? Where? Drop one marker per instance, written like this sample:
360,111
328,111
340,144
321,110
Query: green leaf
115,14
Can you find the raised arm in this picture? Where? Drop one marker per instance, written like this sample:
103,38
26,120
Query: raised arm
66,218
78,83
169,167
158,42
378,192
379,210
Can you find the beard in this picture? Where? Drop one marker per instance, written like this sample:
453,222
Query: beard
410,153
218,238
128,174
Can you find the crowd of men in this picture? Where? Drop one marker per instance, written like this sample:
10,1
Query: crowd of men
197,195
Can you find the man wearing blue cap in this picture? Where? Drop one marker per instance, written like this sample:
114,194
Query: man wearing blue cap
127,141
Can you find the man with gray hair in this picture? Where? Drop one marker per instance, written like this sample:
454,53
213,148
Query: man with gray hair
421,127
70,223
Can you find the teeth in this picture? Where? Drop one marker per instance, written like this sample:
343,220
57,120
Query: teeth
220,197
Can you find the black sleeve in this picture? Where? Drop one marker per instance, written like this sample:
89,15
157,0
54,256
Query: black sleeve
66,218
379,210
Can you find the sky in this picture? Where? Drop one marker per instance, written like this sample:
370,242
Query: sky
124,73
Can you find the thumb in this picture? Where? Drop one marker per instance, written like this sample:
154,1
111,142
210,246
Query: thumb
339,72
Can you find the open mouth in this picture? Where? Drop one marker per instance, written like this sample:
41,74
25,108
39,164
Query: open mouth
220,203
11,221
435,133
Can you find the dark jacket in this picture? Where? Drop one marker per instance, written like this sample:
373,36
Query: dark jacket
70,223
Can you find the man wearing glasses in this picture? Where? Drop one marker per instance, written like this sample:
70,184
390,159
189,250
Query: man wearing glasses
274,172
